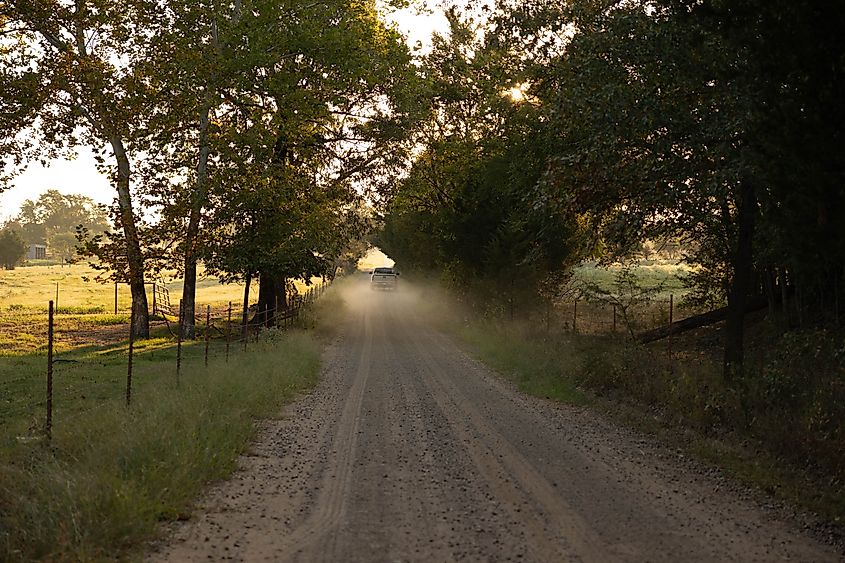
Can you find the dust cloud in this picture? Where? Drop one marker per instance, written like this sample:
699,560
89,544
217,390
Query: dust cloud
423,300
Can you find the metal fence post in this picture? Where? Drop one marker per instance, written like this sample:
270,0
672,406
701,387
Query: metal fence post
207,331
179,341
246,326
614,317
228,331
671,318
575,316
129,367
48,427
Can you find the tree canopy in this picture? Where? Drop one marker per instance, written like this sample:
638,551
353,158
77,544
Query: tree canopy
717,124
531,135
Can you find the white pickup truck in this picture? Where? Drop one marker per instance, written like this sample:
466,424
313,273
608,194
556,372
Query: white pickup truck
384,278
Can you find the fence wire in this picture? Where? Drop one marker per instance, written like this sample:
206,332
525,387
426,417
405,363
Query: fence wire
219,332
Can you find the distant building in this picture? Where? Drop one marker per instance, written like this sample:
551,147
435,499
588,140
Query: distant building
36,252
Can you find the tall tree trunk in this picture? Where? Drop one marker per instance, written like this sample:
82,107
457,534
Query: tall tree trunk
198,200
271,297
134,256
246,304
743,273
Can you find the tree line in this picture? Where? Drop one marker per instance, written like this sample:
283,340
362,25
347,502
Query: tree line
559,131
53,220
240,133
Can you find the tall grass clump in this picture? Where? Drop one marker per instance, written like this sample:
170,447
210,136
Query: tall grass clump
113,474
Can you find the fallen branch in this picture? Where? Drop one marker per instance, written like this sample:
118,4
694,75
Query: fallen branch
697,321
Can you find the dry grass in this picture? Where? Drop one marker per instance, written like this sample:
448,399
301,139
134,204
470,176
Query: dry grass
85,314
32,287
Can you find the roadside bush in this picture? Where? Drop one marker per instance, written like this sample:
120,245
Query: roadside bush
796,399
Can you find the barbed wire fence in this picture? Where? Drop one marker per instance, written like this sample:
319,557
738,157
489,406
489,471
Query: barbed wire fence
588,316
216,323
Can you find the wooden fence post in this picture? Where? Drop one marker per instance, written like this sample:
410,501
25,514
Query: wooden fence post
575,316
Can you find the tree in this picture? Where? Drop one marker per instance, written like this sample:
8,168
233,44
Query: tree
684,119
67,78
53,220
255,102
12,248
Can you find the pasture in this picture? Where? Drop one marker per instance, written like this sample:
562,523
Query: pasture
32,287
86,313
110,471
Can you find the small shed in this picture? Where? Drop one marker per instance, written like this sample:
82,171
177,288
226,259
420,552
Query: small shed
36,252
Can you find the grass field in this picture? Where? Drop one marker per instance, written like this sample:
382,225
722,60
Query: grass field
650,273
112,474
32,287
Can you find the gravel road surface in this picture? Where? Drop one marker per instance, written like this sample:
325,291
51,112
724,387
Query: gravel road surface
409,450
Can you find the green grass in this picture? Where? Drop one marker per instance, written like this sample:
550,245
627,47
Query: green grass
532,365
112,474
650,273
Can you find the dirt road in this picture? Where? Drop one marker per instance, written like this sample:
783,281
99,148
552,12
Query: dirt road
410,451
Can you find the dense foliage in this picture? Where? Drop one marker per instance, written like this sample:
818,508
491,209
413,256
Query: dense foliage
470,206
718,124
531,135
245,130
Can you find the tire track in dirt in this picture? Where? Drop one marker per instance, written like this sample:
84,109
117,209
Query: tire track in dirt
331,502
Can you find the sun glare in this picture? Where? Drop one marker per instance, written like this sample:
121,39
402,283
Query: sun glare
516,94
